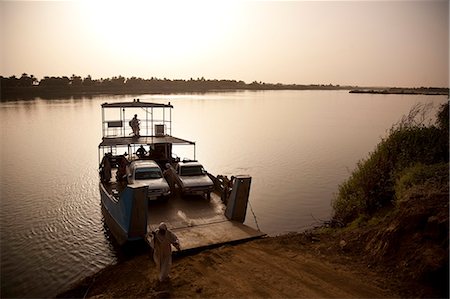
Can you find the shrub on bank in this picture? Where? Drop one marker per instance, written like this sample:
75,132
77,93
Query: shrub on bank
372,185
422,178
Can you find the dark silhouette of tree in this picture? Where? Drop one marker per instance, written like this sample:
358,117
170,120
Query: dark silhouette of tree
76,81
55,82
26,81
88,81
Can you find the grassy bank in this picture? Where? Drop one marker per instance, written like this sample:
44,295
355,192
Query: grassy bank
394,207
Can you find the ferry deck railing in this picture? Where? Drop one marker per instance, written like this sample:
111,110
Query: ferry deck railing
153,121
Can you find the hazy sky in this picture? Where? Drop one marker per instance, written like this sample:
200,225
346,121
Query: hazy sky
366,43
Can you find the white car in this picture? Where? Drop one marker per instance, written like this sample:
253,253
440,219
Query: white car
191,178
147,172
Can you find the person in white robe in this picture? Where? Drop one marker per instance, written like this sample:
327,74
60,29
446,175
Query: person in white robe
134,124
161,242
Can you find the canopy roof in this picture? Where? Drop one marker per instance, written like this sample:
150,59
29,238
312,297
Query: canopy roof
135,104
143,140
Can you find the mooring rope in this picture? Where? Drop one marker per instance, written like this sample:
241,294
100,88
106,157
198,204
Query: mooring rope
89,288
254,216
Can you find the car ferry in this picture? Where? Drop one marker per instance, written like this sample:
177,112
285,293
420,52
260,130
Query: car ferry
143,182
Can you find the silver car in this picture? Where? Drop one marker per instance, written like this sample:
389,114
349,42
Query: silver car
191,178
148,173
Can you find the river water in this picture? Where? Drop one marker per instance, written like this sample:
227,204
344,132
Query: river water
298,146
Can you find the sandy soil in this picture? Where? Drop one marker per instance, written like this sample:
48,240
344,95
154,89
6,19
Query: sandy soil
291,266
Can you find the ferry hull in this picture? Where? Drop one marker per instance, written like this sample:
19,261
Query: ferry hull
126,215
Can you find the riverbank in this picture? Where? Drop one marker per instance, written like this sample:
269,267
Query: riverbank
286,266
316,264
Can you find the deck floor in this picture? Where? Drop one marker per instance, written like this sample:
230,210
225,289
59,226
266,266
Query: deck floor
197,221
186,211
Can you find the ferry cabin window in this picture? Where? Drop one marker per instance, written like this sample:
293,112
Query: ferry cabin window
192,170
147,173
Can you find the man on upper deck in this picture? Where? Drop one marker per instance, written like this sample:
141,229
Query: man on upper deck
134,124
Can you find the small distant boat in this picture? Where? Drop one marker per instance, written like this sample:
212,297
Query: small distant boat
136,159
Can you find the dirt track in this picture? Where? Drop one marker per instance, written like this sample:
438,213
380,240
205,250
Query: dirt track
251,270
267,268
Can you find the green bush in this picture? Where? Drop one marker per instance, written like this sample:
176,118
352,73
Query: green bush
371,186
432,178
443,117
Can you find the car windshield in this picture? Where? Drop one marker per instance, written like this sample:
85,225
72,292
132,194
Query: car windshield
192,170
147,173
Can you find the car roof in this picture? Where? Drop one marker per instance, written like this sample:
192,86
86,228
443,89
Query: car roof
190,163
144,163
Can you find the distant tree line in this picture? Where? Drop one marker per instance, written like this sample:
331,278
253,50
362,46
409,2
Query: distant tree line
48,87
399,90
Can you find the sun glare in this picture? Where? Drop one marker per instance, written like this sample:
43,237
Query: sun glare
155,30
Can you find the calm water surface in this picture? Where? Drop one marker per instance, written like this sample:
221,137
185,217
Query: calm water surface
298,146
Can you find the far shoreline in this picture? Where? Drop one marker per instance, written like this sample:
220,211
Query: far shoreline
57,87
29,87
403,91
55,94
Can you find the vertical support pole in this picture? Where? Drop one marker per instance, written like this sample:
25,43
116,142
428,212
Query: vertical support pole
146,121
194,153
164,118
123,121
170,121
103,122
151,123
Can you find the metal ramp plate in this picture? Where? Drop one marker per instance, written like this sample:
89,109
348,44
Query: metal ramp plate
213,234
198,222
